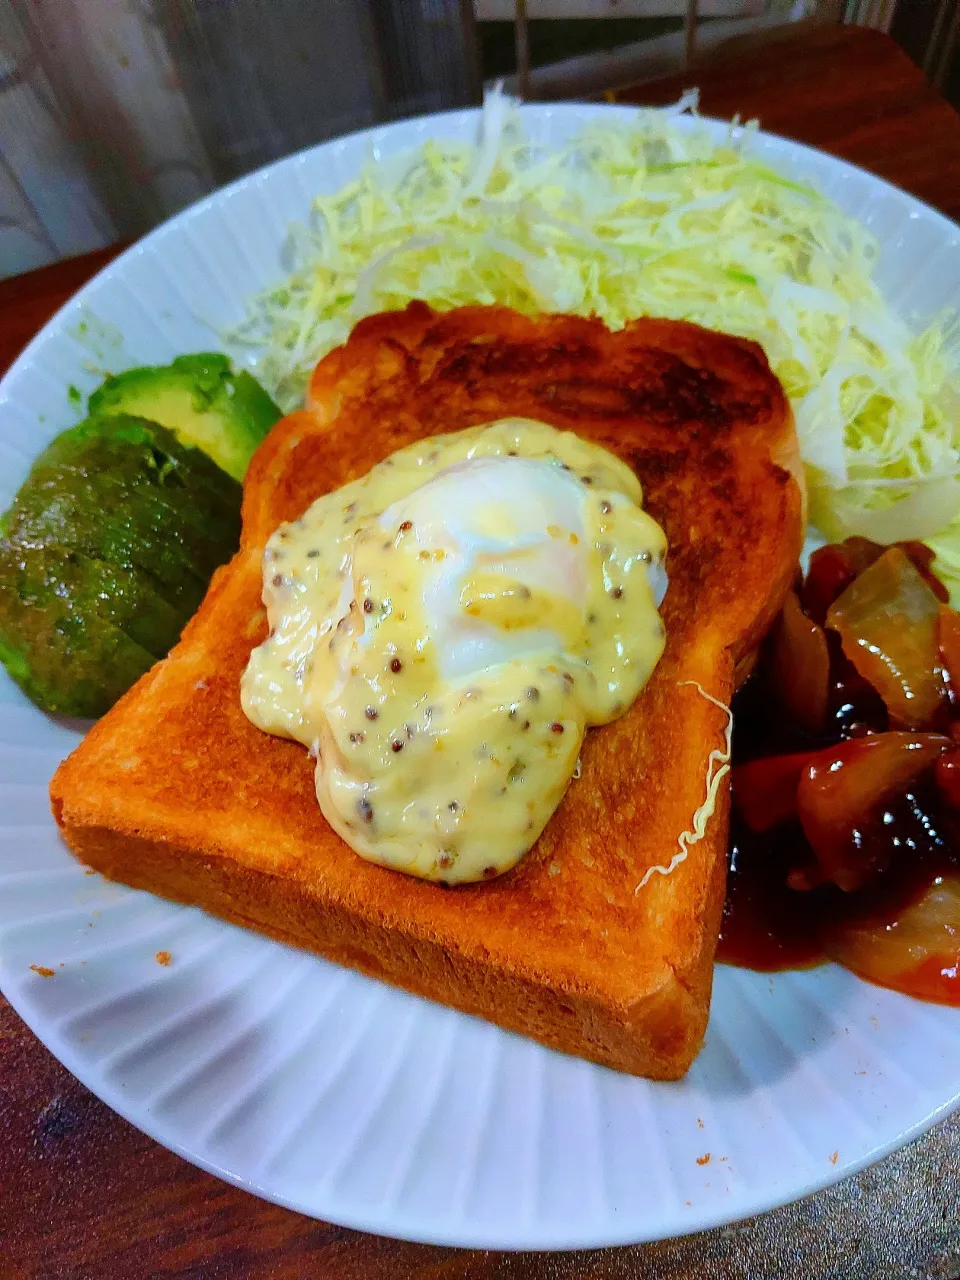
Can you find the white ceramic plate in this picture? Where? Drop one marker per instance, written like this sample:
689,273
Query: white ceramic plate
336,1095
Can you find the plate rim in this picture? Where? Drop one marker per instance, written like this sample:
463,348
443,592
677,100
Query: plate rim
459,1237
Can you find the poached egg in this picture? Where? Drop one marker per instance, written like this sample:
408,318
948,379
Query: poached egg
445,629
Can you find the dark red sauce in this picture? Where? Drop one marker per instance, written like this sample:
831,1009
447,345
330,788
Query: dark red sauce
899,925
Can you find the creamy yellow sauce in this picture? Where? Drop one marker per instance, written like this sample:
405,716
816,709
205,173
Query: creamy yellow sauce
444,630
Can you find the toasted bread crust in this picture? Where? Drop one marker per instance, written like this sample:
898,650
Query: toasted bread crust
176,791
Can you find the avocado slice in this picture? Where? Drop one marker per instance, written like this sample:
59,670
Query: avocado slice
132,442
201,399
124,491
105,555
61,636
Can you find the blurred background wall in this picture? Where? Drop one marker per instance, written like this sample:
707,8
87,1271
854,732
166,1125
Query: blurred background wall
114,114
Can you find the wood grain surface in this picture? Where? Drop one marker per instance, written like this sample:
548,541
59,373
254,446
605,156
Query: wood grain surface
27,302
84,1196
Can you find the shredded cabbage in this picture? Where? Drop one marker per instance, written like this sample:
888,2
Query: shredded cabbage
647,217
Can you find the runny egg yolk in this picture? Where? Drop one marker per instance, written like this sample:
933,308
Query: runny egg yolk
445,629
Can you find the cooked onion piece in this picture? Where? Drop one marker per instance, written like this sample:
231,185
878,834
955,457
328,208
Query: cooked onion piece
887,620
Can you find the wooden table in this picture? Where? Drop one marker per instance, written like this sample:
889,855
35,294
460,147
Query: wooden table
83,1195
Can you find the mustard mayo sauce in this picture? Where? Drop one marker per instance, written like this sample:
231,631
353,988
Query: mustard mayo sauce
444,630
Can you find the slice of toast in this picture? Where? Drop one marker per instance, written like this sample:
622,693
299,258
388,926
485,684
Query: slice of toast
175,791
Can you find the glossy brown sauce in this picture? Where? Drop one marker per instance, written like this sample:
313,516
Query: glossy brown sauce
913,839
767,925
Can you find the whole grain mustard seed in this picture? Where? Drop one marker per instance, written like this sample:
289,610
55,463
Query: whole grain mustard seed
617,592
313,553
396,745
606,507
556,727
489,873
453,806
533,693
396,665
368,605
406,526
371,713
358,737
365,810
277,579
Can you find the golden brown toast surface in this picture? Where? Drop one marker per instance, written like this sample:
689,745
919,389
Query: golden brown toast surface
174,790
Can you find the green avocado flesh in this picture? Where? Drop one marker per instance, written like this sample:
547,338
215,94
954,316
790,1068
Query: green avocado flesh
201,399
105,555
123,490
65,634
